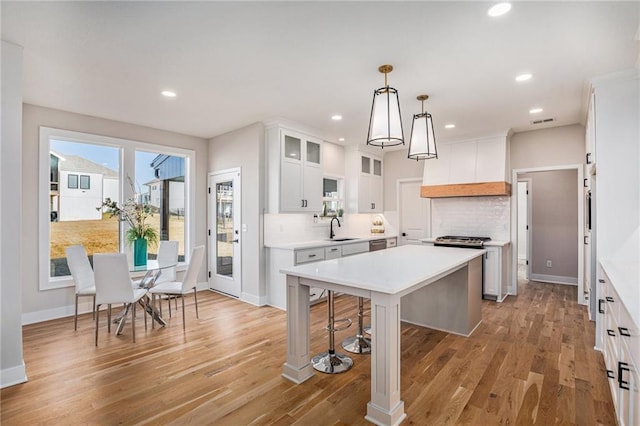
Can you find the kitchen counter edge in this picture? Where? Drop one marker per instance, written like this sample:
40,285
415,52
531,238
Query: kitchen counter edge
326,243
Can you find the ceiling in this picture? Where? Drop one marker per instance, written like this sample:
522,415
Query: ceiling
236,63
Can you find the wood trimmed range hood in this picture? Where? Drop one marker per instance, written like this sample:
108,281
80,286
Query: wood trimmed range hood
469,168
479,189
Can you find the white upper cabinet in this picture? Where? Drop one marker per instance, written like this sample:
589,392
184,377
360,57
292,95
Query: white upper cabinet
294,171
364,181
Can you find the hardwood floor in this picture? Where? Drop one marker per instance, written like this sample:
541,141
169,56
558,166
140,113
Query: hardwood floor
531,361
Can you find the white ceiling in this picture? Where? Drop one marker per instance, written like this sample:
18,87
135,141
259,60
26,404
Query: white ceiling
235,63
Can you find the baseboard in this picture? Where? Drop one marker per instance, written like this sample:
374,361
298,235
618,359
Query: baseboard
13,376
554,279
253,299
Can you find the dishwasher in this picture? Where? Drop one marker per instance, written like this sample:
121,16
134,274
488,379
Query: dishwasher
375,245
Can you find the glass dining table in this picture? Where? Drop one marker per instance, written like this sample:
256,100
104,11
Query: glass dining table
153,271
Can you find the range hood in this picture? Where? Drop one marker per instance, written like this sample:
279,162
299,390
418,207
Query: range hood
469,168
476,189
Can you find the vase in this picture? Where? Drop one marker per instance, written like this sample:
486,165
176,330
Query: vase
140,252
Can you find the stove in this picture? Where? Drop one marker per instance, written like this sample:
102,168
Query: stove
463,242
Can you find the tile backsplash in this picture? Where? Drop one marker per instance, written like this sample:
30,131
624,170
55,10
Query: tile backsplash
471,216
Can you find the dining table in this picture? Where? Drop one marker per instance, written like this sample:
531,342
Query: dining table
153,270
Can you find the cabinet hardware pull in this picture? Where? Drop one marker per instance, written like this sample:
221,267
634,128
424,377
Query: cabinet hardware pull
312,255
624,331
301,203
610,299
600,280
611,332
588,159
622,366
585,240
610,374
600,308
585,183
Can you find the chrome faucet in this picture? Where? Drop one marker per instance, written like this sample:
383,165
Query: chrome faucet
331,233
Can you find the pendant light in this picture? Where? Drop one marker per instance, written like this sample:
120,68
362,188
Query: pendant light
385,125
422,145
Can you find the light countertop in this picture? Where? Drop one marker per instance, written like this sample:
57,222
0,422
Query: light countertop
625,275
388,271
328,243
492,243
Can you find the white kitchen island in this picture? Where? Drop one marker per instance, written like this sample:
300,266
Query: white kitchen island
443,288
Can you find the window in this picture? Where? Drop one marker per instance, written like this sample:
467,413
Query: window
85,182
104,167
72,181
332,197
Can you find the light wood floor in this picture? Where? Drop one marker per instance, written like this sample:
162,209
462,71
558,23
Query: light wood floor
530,362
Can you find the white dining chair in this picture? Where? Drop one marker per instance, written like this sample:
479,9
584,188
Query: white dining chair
182,288
167,255
83,277
113,285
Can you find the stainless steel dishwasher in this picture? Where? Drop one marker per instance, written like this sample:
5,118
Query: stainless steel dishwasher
375,245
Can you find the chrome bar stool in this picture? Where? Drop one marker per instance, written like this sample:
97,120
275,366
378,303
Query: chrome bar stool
358,344
331,362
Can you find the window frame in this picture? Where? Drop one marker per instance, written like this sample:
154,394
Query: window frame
80,186
69,176
127,149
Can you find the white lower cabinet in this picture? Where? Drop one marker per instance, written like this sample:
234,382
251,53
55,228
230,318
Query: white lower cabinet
620,349
278,259
496,272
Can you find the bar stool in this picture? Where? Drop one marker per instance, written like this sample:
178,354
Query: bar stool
358,344
330,362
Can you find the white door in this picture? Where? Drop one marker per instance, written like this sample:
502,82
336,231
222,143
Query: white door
224,232
413,212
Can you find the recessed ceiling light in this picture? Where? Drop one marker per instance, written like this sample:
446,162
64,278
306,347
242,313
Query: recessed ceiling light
499,9
535,110
336,117
449,126
524,77
168,93
340,139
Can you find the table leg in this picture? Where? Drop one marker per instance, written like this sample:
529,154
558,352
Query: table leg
150,309
298,366
122,318
385,407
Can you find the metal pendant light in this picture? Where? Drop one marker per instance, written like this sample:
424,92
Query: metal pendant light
422,145
385,125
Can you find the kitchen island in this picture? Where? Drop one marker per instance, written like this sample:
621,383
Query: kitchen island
442,288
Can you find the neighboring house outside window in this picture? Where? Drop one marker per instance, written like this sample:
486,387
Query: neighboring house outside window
85,182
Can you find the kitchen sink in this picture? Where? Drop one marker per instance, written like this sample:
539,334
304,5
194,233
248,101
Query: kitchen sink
343,239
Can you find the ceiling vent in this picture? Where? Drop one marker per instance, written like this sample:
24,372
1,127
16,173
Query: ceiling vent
544,120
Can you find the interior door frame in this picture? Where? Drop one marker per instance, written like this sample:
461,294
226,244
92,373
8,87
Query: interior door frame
528,249
399,182
211,224
513,285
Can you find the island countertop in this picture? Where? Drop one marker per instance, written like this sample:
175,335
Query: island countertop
394,271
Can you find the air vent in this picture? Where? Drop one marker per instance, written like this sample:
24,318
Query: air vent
544,120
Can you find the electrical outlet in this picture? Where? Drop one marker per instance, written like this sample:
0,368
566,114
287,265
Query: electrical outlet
549,264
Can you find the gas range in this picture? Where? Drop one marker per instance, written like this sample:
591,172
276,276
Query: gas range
459,241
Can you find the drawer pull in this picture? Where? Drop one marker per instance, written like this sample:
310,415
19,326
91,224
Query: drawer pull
610,374
610,299
624,331
334,249
622,367
312,255
600,280
600,308
611,332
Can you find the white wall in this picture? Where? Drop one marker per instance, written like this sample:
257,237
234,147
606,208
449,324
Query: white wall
398,166
12,368
41,305
245,148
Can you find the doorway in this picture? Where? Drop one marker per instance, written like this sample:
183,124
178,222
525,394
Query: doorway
414,212
224,232
577,239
